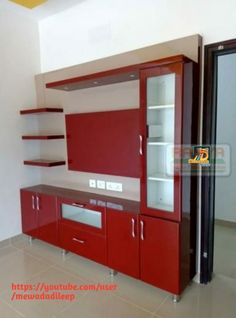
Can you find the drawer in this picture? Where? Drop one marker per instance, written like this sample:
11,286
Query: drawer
87,217
83,243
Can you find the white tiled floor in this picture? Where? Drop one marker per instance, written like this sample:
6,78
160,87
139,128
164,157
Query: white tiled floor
40,262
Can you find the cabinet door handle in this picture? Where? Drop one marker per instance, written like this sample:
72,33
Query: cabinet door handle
33,202
142,230
78,241
141,145
133,230
78,205
37,203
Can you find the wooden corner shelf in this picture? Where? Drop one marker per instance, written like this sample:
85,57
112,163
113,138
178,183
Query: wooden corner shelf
44,163
42,137
41,110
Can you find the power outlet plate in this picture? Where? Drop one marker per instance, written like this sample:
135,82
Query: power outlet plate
101,184
92,183
114,186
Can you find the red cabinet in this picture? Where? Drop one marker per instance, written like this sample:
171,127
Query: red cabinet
39,216
160,253
82,229
84,243
123,242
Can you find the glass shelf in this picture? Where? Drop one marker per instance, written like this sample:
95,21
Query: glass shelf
160,142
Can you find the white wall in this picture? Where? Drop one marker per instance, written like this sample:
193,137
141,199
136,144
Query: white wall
95,29
19,61
225,198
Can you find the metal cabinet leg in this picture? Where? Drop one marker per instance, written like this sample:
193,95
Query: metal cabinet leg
64,252
112,272
176,298
31,238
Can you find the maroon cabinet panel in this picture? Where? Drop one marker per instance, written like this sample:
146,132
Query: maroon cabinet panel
29,215
39,216
47,219
104,142
159,253
123,242
83,243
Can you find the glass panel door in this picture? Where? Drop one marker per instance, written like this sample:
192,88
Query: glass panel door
82,215
160,142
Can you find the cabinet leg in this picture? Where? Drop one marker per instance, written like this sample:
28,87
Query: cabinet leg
112,272
64,252
176,298
31,238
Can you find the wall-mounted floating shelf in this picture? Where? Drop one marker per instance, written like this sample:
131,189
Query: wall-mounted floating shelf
44,163
41,110
42,137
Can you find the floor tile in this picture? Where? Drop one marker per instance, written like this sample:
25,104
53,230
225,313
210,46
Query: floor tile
85,268
18,267
138,292
100,305
215,300
51,278
6,251
7,311
45,251
5,243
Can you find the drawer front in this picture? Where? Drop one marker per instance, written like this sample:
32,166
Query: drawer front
87,217
83,243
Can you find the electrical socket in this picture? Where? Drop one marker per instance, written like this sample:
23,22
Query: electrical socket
92,183
114,186
101,184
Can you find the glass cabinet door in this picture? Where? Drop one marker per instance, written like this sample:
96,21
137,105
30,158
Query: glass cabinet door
82,215
160,94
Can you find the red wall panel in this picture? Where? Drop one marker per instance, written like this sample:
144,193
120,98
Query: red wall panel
104,142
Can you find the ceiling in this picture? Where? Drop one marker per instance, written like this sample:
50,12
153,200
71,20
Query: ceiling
45,10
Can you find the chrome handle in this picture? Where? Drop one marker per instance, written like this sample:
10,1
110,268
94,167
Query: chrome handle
78,205
37,203
141,145
133,224
78,241
33,202
142,230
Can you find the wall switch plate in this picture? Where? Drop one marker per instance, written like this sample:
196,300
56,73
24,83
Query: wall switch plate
92,183
101,184
114,186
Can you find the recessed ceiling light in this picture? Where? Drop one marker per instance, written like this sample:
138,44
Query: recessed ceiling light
95,82
132,75
30,4
66,88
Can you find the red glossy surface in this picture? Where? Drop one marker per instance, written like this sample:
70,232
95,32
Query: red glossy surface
47,219
159,254
41,110
42,137
39,216
83,243
162,70
123,248
44,163
81,204
104,142
29,215
111,76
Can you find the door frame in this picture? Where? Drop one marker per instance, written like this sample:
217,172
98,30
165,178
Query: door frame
212,51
